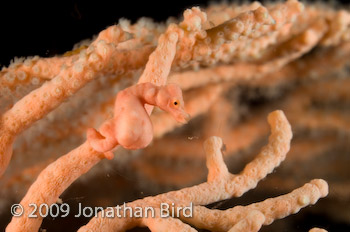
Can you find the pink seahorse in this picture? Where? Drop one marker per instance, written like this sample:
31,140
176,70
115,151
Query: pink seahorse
131,126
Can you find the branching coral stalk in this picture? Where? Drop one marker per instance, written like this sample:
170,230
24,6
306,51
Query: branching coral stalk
98,58
267,48
273,208
223,185
51,183
290,50
191,22
219,13
317,230
41,101
338,28
48,68
58,173
301,69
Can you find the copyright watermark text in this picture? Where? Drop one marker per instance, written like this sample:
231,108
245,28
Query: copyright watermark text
63,210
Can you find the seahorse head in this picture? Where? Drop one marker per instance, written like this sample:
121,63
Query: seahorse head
170,100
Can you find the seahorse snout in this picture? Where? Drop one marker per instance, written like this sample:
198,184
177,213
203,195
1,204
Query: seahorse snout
182,117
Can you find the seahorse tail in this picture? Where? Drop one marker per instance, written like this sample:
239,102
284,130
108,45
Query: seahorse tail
100,143
92,134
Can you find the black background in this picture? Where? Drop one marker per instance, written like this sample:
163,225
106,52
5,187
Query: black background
48,28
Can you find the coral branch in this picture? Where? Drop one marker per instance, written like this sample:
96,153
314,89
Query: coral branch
217,169
229,185
317,230
159,63
234,63
272,209
252,222
57,169
51,183
160,224
41,101
290,50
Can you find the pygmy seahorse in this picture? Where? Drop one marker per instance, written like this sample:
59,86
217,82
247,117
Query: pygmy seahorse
131,126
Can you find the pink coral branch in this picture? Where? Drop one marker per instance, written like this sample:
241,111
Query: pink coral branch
51,183
245,71
41,101
317,230
271,209
252,222
56,170
257,47
83,158
160,224
223,185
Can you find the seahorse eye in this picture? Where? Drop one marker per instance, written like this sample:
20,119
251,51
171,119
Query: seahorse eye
176,103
